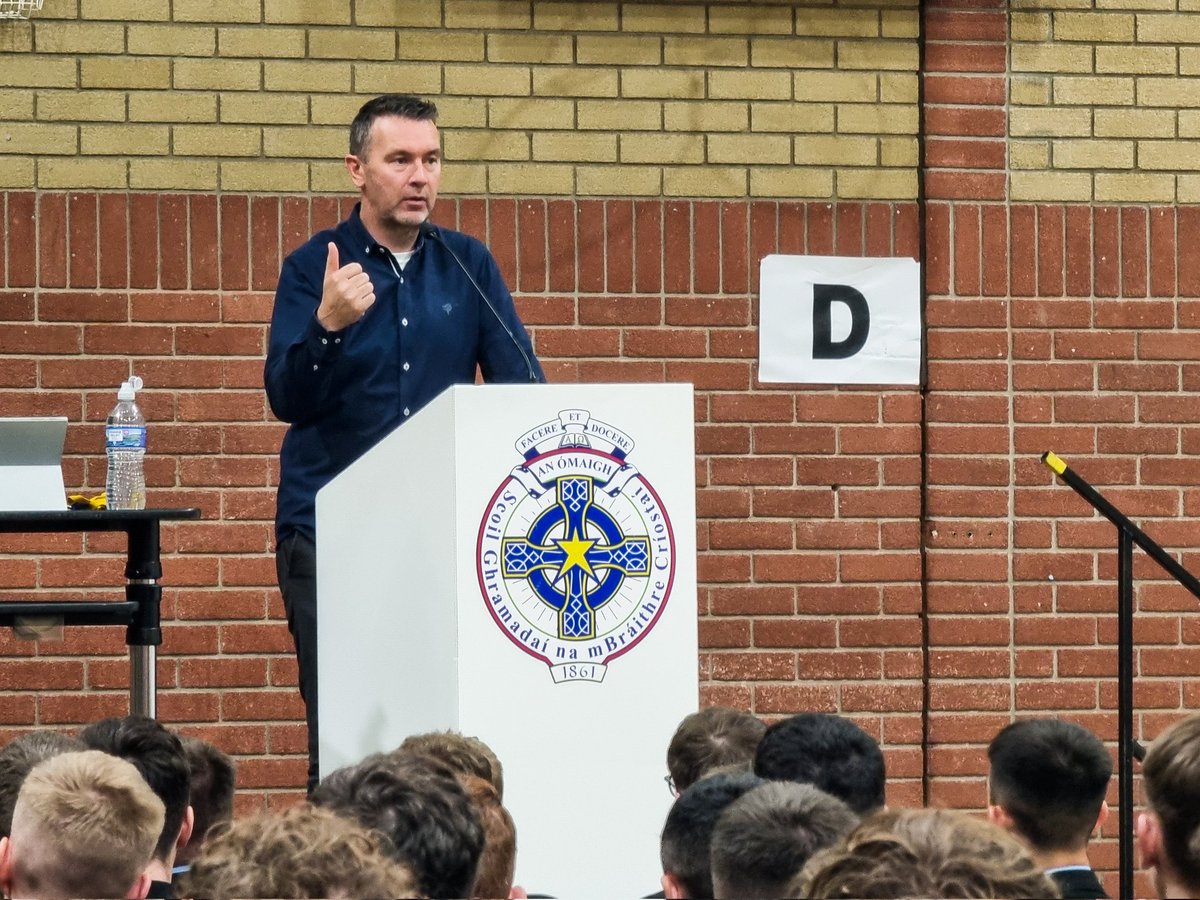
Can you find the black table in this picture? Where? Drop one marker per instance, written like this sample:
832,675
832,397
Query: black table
140,610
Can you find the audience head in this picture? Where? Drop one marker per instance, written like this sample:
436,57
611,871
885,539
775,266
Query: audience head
1047,783
427,817
468,755
302,852
211,785
1169,833
494,878
85,825
764,838
158,754
713,738
687,834
924,853
17,759
829,752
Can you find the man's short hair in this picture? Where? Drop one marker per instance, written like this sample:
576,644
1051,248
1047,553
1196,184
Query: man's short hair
712,738
17,759
158,754
497,863
85,825
403,106
1171,776
427,817
764,838
465,754
1050,776
211,786
829,752
301,852
687,834
924,853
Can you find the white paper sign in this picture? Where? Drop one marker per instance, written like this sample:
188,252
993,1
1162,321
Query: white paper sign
839,320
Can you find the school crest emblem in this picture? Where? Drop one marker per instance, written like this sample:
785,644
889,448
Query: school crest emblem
575,554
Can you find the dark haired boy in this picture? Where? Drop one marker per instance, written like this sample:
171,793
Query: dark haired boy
1046,784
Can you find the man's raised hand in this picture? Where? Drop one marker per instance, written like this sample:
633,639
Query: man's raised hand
347,293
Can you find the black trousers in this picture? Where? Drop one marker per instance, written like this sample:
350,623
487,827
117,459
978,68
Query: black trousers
296,567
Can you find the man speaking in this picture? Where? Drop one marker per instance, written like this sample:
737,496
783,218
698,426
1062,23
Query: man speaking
372,320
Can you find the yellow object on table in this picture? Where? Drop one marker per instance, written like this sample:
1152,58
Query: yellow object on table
81,501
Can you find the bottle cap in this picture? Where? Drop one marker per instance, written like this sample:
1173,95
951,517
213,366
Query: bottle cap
129,388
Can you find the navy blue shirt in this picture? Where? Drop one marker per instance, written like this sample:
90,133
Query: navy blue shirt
343,391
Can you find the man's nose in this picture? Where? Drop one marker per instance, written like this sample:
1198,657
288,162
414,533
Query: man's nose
420,173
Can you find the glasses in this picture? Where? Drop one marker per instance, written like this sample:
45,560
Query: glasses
670,782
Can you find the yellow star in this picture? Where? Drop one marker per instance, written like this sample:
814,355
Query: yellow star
576,550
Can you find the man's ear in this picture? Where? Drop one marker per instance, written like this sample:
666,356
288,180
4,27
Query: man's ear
672,889
998,815
354,167
5,866
1148,833
185,828
1101,817
140,888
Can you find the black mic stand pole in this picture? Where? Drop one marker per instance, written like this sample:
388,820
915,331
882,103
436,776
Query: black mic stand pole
1128,749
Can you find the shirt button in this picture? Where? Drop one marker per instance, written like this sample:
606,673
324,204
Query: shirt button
404,322
324,340
406,367
337,340
315,367
406,410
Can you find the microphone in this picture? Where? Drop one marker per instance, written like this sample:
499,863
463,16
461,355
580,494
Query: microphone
428,229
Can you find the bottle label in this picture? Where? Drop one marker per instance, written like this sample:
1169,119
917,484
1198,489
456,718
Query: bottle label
125,437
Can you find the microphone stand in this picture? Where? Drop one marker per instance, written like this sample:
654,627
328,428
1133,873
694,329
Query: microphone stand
1128,749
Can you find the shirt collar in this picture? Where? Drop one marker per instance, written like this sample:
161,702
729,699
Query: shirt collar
362,238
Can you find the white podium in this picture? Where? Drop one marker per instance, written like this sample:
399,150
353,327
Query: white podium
518,562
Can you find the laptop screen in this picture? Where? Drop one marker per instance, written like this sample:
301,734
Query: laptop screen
31,464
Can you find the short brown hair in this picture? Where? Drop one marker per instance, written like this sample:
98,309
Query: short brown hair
212,781
18,758
1171,775
713,738
85,825
428,817
764,838
494,877
403,106
924,853
302,852
463,753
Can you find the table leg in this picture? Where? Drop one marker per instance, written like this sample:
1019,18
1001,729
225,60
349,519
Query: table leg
142,687
142,571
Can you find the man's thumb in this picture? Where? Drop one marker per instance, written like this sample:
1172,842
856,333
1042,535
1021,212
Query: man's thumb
331,262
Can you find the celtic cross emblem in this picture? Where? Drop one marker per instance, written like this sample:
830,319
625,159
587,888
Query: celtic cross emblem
577,572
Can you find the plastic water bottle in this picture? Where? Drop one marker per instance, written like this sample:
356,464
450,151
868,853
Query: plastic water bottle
125,441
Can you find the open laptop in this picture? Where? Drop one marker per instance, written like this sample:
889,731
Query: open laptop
31,476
